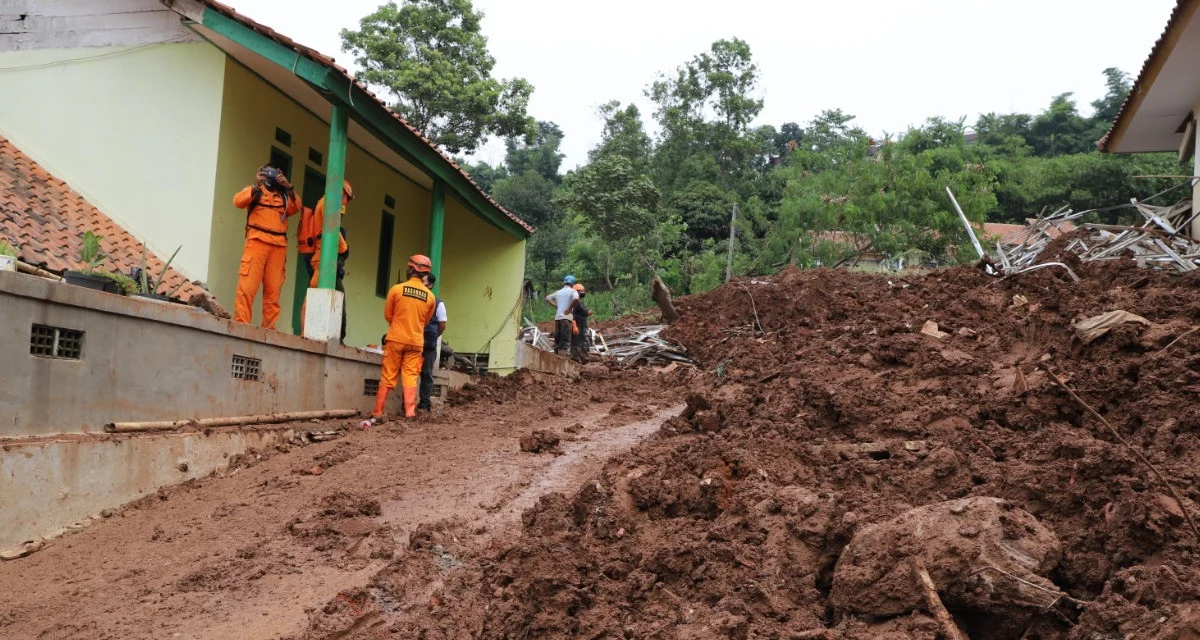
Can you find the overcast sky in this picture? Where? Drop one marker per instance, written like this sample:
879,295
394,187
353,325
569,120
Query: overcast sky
891,63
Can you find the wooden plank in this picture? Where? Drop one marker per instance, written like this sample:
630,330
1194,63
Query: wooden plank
53,8
1187,147
933,604
101,30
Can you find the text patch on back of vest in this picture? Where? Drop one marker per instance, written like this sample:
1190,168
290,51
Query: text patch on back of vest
413,292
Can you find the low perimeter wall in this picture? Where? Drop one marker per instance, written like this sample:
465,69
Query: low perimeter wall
139,360
55,485
537,360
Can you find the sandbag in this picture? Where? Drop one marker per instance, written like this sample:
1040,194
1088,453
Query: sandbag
1095,327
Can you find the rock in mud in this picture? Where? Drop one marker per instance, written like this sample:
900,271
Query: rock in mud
1184,626
963,543
541,441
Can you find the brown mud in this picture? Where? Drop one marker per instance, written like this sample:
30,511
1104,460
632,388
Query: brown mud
820,412
252,551
821,435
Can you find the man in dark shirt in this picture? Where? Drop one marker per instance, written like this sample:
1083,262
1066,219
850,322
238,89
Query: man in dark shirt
580,344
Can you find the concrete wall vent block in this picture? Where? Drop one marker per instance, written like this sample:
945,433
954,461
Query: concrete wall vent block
245,368
55,342
370,387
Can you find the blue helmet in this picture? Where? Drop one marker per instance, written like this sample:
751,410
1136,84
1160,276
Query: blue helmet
569,280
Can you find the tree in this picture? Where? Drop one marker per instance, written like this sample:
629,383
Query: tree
613,201
540,155
1060,130
705,208
484,174
623,135
530,196
784,141
1106,108
1008,133
432,57
706,108
891,203
533,197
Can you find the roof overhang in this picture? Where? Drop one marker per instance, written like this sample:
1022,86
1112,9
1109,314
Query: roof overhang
1155,115
313,100
316,83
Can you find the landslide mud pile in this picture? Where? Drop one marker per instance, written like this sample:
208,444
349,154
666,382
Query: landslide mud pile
828,442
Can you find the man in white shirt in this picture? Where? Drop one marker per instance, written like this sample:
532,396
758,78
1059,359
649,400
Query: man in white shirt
433,333
563,302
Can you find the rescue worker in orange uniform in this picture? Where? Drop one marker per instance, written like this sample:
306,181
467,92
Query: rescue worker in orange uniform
408,308
269,202
343,253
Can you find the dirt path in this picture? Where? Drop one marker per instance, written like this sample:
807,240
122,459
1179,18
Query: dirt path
250,553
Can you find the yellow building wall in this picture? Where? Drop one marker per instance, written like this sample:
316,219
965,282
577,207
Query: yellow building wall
1195,230
134,130
252,110
483,269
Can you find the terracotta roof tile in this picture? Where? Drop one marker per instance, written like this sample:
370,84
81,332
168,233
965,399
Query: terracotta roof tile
46,220
1139,85
1019,233
320,58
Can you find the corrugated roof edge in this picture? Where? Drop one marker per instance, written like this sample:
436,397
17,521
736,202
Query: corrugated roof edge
319,58
1138,85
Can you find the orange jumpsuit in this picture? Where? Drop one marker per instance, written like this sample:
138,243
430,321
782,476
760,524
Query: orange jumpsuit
408,308
315,259
264,259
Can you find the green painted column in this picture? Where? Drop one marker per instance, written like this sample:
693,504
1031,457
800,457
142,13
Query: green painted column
437,229
335,174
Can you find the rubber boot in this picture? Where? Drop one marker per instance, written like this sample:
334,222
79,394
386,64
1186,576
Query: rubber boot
380,398
410,402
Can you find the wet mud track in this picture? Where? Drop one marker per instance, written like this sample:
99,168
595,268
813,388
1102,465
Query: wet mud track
252,552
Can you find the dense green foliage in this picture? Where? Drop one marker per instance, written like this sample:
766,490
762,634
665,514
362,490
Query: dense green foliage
820,193
432,57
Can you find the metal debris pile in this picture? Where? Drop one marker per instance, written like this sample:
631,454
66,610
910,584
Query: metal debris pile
1160,242
628,346
641,345
533,336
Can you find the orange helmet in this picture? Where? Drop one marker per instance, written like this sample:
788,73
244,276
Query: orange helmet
347,190
579,288
420,264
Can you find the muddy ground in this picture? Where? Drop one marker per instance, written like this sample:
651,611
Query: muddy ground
251,552
819,415
818,411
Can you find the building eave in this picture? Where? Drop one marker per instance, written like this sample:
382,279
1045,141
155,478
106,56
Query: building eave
335,84
1123,136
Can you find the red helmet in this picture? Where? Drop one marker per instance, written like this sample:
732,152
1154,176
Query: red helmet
579,288
420,264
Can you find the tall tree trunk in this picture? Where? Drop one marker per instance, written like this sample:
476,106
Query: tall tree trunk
732,238
608,268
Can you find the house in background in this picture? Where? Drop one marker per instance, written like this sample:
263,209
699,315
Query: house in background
1160,113
159,112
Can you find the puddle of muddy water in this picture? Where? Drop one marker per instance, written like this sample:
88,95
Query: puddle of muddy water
565,470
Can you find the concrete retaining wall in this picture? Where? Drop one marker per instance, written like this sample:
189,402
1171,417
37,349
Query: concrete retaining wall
144,360
540,361
52,484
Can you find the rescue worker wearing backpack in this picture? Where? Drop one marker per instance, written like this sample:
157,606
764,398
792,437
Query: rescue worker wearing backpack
312,224
269,202
407,311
